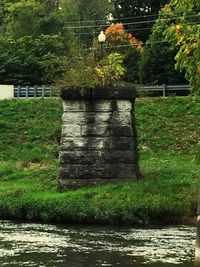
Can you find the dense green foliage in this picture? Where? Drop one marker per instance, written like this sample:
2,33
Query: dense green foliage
110,69
145,11
132,58
173,46
67,29
29,60
168,135
37,39
157,64
31,18
184,33
86,17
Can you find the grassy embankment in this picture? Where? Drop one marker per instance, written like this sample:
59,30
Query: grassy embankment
168,131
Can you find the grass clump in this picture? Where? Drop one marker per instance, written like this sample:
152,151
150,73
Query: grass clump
168,135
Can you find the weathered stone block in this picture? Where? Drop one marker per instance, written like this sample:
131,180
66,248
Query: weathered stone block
71,130
107,130
98,143
103,171
96,156
100,92
84,118
96,105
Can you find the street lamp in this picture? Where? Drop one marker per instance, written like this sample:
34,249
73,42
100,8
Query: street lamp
101,39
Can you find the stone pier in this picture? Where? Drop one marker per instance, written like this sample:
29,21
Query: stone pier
98,141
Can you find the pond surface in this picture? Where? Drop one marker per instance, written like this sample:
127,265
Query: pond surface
28,244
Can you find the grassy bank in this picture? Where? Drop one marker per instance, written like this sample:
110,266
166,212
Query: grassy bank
168,134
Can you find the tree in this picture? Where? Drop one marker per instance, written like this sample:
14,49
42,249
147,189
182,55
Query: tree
146,11
184,33
31,61
22,17
32,18
116,35
35,42
131,63
3,10
157,64
121,41
83,11
86,17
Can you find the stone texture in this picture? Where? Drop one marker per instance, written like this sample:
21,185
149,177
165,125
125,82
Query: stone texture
99,118
97,170
96,157
107,130
99,106
98,143
100,92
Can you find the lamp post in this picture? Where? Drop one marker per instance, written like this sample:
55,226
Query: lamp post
101,39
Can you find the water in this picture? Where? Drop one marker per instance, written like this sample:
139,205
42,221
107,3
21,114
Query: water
28,244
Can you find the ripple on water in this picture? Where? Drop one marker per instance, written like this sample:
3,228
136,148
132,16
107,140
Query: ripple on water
25,244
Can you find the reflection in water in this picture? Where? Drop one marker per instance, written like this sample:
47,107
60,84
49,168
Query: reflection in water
23,244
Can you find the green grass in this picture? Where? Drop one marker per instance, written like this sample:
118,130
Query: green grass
168,135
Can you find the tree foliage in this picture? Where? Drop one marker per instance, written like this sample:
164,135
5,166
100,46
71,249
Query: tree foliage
175,39
86,72
2,15
110,69
29,60
86,17
32,18
157,64
122,41
184,33
35,43
27,26
132,58
146,11
119,40
116,35
80,73
86,11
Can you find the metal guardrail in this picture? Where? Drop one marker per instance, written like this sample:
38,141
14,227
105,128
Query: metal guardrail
34,91
164,89
48,91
